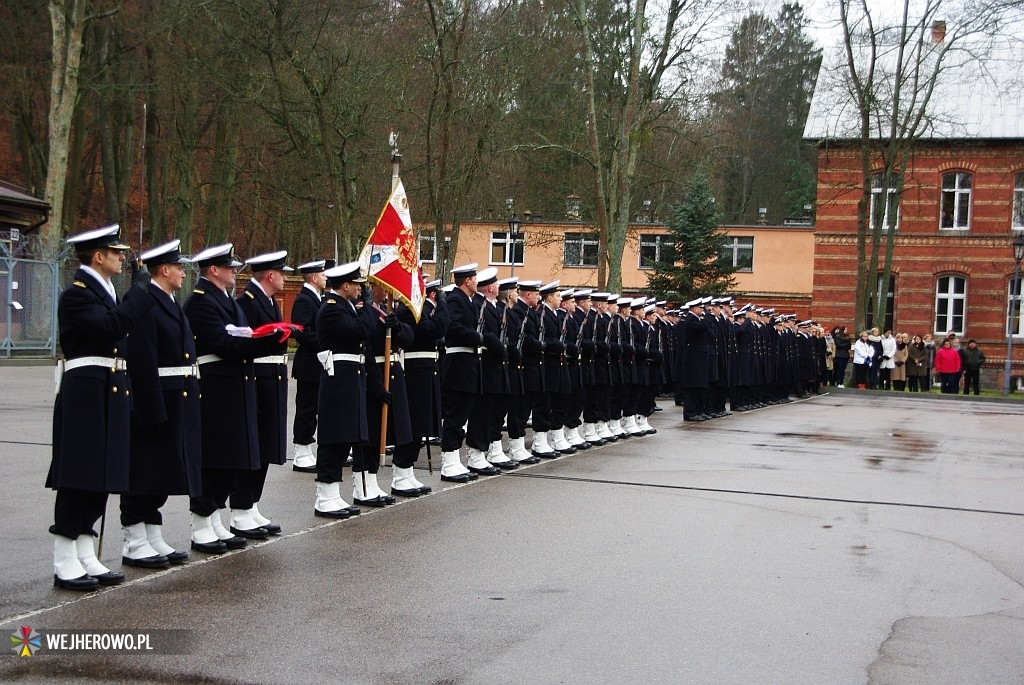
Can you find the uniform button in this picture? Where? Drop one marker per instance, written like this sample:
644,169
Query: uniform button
200,395
186,355
184,393
115,350
114,388
246,378
278,378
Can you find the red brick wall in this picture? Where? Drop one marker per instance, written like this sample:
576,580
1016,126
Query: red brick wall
983,254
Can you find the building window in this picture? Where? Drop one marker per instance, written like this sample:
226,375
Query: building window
579,249
890,303
656,249
428,247
889,214
950,304
1017,223
956,201
739,252
504,248
1015,308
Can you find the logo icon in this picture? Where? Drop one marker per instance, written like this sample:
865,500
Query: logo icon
26,642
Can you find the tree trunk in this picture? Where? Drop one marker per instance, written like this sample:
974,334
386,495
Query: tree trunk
67,19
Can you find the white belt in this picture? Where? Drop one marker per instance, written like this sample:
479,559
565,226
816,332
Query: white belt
271,359
395,357
327,359
421,355
463,350
165,371
209,359
112,363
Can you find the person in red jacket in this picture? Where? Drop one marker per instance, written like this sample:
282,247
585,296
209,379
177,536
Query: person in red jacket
947,365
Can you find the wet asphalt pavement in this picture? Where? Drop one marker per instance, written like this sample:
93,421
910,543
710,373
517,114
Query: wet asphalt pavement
850,538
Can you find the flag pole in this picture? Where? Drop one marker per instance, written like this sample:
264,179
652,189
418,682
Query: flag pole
387,386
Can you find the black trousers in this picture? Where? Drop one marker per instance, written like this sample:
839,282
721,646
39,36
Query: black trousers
481,422
457,407
142,509
304,423
574,409
972,376
76,512
616,400
518,414
592,412
329,461
498,412
695,401
217,486
248,488
543,420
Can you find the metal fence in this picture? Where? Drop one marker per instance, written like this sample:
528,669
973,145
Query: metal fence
29,287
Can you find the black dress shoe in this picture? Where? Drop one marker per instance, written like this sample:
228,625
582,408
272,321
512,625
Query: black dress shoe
259,533
177,557
156,561
485,471
460,478
568,450
388,499
657,408
376,502
613,438
583,445
598,442
354,511
215,547
529,460
435,441
304,469
546,455
348,461
271,528
339,514
235,542
110,578
82,583
652,431
411,492
506,465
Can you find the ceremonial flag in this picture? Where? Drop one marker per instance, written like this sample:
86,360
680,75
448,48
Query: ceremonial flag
391,256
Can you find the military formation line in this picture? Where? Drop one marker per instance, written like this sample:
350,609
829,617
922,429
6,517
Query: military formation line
156,399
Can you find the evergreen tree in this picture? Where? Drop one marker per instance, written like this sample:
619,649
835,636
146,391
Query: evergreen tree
696,265
768,76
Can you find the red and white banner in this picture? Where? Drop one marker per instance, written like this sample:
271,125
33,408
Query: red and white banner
391,254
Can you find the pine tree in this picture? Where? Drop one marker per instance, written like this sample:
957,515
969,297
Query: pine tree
696,265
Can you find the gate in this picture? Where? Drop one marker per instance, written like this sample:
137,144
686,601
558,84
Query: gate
29,288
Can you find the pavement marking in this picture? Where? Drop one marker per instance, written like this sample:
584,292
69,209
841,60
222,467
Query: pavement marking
816,498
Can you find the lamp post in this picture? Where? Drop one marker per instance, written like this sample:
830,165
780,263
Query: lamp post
1018,255
513,231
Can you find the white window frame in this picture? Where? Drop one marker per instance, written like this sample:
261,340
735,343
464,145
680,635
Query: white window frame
950,297
959,195
1015,307
423,240
732,249
503,241
582,240
891,201
658,241
1017,217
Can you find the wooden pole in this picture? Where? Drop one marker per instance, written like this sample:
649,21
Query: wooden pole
387,386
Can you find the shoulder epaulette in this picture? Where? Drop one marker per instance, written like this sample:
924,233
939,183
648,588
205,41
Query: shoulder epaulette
80,284
250,295
330,300
197,291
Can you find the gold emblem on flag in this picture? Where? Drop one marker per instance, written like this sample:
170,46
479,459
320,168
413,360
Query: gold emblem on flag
407,256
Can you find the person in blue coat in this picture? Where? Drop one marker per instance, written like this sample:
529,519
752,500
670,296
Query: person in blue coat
260,307
230,436
91,414
344,324
166,450
305,366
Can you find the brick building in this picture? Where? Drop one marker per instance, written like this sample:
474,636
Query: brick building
961,208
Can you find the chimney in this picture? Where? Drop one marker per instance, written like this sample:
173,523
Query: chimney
938,31
572,208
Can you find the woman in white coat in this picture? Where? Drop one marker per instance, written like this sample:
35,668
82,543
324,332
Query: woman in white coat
863,352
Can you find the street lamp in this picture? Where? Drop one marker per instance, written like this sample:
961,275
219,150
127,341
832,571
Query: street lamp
513,231
1018,255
